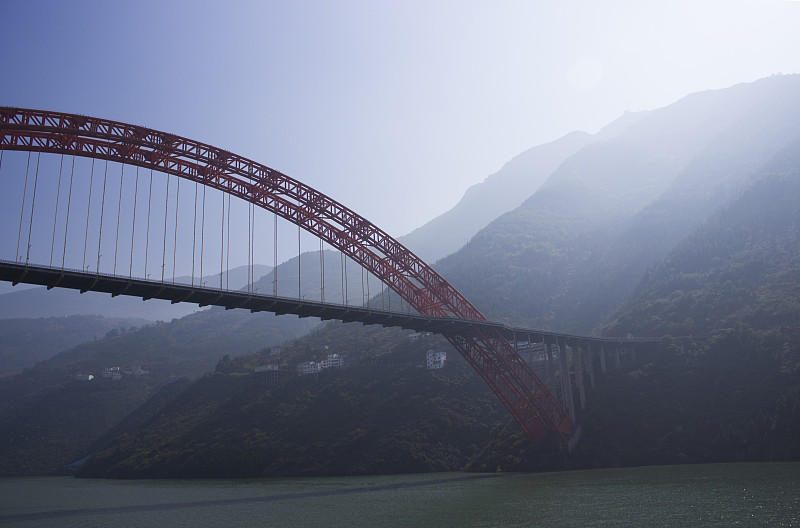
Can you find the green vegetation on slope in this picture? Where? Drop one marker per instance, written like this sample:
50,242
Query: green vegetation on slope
50,419
46,431
24,342
733,393
387,415
576,249
742,267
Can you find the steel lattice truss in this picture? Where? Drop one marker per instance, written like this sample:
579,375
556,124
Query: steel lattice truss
488,351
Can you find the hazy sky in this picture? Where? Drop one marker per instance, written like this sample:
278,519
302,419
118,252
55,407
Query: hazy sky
392,107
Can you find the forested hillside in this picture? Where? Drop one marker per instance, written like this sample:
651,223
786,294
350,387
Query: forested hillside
39,301
501,192
741,268
384,414
24,342
49,418
731,391
577,247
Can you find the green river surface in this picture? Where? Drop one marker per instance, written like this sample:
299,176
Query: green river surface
741,494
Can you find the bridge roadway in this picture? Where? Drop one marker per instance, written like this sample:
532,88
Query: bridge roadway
17,272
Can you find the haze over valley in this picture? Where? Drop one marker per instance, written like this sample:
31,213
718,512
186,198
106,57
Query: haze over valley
678,223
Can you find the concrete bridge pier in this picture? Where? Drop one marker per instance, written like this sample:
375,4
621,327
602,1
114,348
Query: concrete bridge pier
577,358
603,367
566,379
616,357
590,363
551,371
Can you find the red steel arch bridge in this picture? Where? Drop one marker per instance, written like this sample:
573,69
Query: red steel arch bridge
87,211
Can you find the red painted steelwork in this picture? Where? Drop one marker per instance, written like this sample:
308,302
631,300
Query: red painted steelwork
493,357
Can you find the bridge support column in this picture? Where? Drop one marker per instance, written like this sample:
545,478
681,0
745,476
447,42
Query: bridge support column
603,367
616,358
566,380
551,371
590,363
577,357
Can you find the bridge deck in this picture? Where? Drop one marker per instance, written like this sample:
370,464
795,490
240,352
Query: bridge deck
17,272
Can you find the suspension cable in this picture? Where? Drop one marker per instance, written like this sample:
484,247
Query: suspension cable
275,259
228,247
249,245
299,289
22,210
88,212
341,266
119,215
175,243
253,261
164,248
102,214
133,222
55,214
33,206
202,234
69,203
194,230
322,272
147,231
222,240
253,251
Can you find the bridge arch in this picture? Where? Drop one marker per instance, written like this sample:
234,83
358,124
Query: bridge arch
494,358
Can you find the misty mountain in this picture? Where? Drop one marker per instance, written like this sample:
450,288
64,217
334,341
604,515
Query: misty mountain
576,248
500,192
232,279
24,342
59,302
741,267
733,392
503,191
302,276
729,389
48,417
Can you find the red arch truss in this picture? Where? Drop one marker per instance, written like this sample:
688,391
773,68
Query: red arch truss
492,356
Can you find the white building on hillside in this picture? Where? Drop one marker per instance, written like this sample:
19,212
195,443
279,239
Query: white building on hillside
436,359
333,361
307,367
112,372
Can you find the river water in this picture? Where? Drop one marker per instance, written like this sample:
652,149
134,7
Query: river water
724,495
